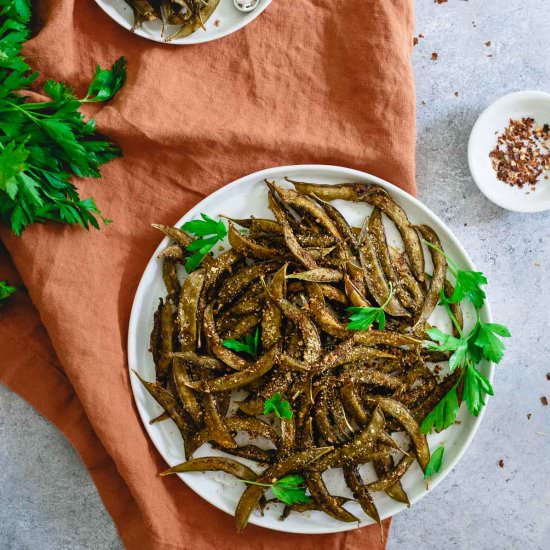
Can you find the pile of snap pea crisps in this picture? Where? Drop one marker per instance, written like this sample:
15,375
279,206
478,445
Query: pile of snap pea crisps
189,15
307,336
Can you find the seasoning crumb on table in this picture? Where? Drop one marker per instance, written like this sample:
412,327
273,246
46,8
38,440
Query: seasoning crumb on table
529,415
435,56
501,463
521,154
544,400
548,373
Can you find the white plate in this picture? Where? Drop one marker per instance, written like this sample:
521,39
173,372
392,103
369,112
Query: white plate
242,198
227,17
483,140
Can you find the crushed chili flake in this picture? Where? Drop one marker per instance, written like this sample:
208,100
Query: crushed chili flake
434,56
440,1
415,40
501,463
544,400
522,153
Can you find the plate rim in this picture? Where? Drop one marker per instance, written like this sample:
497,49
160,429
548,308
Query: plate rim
192,38
274,172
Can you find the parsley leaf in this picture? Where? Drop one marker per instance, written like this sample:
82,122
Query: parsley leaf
290,490
468,285
362,318
443,414
43,144
434,465
490,345
460,346
201,247
476,386
281,407
250,345
6,290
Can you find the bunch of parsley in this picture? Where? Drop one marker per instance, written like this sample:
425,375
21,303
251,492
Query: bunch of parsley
43,144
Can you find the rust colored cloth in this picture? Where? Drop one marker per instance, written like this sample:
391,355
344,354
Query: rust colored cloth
307,82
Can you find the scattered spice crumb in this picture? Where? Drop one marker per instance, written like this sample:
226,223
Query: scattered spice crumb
217,23
474,24
522,153
415,40
501,463
435,55
489,55
423,103
465,224
456,94
529,415
537,264
458,422
548,376
440,1
544,400
488,43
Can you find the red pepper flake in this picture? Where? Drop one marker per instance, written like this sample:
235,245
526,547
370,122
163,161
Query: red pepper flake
488,43
420,36
522,153
501,463
440,1
415,40
544,400
434,56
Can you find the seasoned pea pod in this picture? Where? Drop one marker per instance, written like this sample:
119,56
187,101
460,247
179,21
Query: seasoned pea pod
187,310
213,464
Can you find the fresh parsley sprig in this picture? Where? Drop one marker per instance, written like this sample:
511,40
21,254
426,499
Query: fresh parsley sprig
281,407
289,489
362,318
210,232
250,345
6,290
482,342
436,460
43,144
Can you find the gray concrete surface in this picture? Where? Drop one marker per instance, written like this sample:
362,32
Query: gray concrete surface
47,500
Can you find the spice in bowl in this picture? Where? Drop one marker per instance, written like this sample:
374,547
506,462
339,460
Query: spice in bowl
522,153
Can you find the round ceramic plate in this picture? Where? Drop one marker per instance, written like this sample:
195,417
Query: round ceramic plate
225,20
240,199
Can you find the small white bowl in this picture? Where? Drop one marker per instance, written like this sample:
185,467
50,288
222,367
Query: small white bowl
484,138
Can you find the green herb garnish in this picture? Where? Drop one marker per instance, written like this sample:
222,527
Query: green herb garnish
250,345
43,144
281,407
210,231
363,317
482,342
436,459
289,489
6,290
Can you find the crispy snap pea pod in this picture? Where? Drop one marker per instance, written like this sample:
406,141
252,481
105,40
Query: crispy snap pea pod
288,435
378,233
180,377
215,344
376,196
213,464
456,309
260,225
310,335
405,419
176,234
382,468
187,310
370,376
333,294
352,402
167,339
322,422
339,415
238,379
215,424
203,361
318,275
241,280
361,493
391,478
406,277
291,240
168,402
272,316
340,222
245,325
437,280
322,314
311,506
254,426
160,418
354,294
172,252
248,247
170,278
251,452
252,407
376,282
356,276
206,10
155,341
252,494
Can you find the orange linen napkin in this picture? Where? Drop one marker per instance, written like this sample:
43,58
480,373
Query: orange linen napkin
309,81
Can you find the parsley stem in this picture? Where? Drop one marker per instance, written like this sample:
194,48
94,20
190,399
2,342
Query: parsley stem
256,483
453,319
452,265
388,298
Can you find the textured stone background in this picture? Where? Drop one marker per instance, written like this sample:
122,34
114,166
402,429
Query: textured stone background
47,500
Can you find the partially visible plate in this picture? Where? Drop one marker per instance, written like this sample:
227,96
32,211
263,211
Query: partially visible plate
241,199
225,20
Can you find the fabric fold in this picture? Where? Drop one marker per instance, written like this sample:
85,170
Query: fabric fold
327,86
